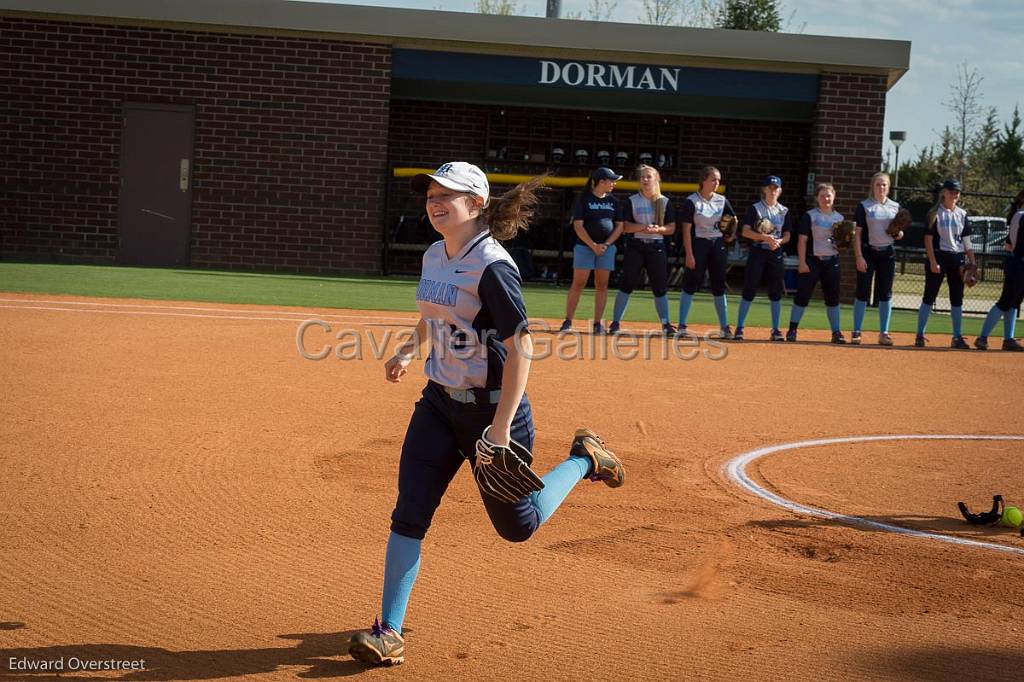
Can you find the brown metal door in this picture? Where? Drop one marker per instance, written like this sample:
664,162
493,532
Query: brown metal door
155,211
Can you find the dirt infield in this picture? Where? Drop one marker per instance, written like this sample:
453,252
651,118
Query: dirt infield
181,487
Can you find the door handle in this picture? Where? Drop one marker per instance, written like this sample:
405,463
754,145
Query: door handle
183,175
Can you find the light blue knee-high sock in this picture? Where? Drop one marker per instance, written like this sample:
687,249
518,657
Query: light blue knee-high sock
722,308
994,315
922,318
884,315
832,312
661,305
957,313
685,301
797,313
1010,323
401,564
744,309
859,308
776,313
621,301
557,484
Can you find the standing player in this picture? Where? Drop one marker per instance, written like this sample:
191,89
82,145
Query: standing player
818,260
947,248
1012,295
648,217
765,258
471,307
704,247
597,220
876,257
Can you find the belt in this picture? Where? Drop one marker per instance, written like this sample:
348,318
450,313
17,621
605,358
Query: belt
474,396
881,248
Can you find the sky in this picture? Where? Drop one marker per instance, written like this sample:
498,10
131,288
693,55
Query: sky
984,35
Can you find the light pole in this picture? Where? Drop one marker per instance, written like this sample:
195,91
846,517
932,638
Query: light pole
897,137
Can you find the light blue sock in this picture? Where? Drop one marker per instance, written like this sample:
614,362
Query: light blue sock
884,315
797,313
621,301
744,309
1010,323
922,318
776,313
661,305
990,321
833,318
401,564
859,308
557,484
685,301
722,308
957,313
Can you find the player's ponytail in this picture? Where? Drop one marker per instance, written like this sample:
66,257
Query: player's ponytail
510,213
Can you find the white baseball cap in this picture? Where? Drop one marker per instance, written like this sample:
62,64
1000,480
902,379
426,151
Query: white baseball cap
457,175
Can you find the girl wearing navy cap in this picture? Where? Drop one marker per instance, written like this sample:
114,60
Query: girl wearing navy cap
876,257
471,307
1008,305
597,220
765,258
704,247
648,217
947,248
818,260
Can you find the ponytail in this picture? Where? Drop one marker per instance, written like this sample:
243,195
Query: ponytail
509,214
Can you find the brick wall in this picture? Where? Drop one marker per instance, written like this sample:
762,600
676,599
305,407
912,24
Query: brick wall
846,145
290,142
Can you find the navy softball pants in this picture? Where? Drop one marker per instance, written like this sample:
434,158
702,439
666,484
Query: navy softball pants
709,255
881,268
645,255
769,265
824,269
1013,284
949,268
441,435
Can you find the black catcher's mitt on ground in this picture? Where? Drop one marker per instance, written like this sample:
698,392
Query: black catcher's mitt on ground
984,518
728,226
900,223
504,472
842,233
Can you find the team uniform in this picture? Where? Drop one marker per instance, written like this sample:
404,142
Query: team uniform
599,216
470,303
1012,296
644,252
878,249
822,258
709,255
948,230
764,264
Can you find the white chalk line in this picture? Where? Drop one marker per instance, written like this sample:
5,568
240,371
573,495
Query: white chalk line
272,315
736,470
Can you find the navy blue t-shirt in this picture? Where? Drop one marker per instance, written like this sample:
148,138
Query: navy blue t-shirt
598,215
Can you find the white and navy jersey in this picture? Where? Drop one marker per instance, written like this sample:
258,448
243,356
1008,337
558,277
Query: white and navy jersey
640,209
777,214
818,226
471,303
873,218
1014,236
704,214
950,229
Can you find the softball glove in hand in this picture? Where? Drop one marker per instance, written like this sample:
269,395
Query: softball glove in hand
842,233
764,226
504,472
969,273
728,225
900,223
